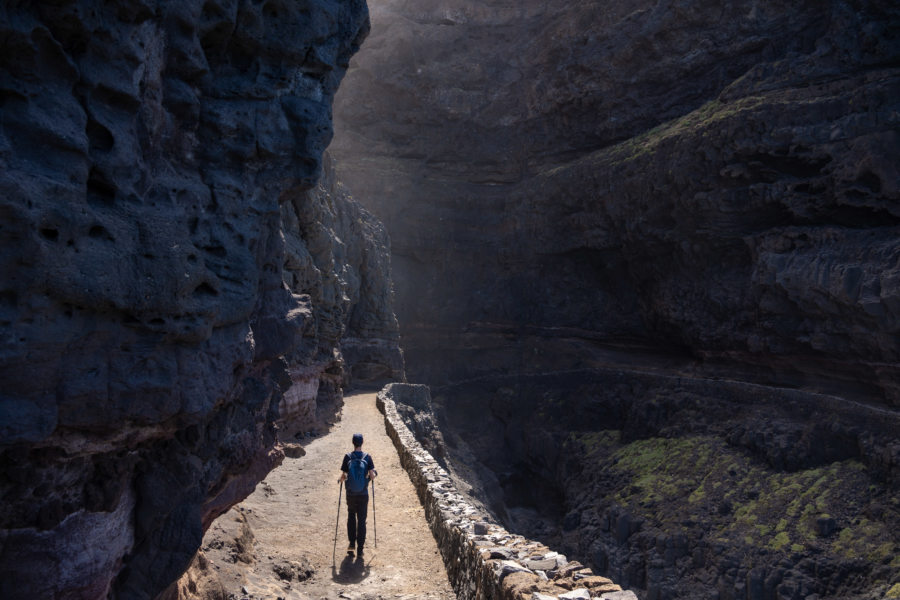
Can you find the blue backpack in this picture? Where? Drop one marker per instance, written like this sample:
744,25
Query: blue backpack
358,466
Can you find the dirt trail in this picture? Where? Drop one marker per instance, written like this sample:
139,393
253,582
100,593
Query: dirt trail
290,519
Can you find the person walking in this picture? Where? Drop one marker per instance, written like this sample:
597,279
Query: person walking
357,469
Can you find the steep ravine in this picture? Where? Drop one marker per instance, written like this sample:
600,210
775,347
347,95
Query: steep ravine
714,182
681,488
170,269
632,230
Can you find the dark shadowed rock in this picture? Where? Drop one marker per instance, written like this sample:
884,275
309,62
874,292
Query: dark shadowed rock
415,408
150,153
645,219
633,180
337,255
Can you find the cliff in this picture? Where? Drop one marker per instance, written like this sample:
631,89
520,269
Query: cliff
157,161
710,182
337,258
646,257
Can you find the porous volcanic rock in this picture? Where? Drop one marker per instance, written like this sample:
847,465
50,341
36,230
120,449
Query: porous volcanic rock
718,181
337,258
148,152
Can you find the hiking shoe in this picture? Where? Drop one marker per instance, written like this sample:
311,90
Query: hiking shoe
350,549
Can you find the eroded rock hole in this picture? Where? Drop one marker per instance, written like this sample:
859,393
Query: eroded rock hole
49,233
862,217
205,290
870,181
271,10
116,99
217,251
99,189
99,136
772,167
8,298
241,59
99,232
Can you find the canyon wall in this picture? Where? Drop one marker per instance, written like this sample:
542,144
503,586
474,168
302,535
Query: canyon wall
170,269
337,259
710,181
646,255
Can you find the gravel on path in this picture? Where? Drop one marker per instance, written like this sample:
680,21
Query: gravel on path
266,546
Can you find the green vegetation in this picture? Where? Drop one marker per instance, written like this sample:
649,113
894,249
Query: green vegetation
702,479
701,119
779,541
702,122
592,443
856,542
893,593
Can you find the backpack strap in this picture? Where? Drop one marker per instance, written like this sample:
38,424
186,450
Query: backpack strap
364,457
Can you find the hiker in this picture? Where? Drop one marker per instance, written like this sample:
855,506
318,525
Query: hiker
357,469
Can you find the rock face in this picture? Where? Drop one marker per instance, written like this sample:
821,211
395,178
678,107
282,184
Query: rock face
337,258
152,153
686,488
664,220
718,181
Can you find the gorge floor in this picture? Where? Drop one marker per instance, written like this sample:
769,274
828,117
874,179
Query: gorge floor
278,543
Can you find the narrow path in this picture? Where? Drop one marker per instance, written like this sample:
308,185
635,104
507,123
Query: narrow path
292,517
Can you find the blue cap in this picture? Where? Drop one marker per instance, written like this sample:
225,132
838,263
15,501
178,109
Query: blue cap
357,439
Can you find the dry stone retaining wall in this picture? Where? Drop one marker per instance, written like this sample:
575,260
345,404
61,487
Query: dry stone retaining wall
483,560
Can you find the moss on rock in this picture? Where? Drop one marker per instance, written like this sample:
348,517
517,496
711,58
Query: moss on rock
669,481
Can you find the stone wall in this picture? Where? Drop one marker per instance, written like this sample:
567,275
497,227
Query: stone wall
484,560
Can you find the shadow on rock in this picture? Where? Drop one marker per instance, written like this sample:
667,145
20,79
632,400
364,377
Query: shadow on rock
351,571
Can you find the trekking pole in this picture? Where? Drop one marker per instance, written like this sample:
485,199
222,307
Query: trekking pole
337,522
374,520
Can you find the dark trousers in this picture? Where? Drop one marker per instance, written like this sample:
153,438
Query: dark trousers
357,507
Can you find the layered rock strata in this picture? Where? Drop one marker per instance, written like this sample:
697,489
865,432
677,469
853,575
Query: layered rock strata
154,157
679,213
483,560
718,183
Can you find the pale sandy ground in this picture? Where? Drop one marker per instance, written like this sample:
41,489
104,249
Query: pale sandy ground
292,517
